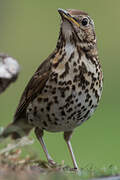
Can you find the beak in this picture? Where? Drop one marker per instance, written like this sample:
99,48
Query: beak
65,15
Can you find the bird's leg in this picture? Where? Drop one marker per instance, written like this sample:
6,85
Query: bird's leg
67,137
39,135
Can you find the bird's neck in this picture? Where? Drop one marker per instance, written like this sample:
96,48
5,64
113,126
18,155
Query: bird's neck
64,52
68,38
71,56
69,48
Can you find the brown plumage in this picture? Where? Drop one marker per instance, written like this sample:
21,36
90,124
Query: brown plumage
66,88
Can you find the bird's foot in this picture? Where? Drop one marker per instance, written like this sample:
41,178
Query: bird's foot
51,162
75,169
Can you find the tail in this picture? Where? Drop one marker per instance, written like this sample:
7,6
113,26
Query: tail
15,130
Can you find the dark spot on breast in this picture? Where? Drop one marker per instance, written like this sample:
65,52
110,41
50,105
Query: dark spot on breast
82,107
97,96
45,99
71,57
79,93
76,100
68,98
85,116
56,99
48,108
35,111
53,55
72,102
79,84
56,119
79,104
45,91
84,68
60,51
66,105
55,123
53,90
79,114
83,87
53,77
62,91
66,71
45,124
42,110
87,83
53,114
92,85
93,90
89,73
69,117
79,52
67,88
90,103
31,120
75,78
73,113
87,97
94,79
61,107
86,91
69,110
74,64
73,87
78,60
96,83
92,106
39,99
61,83
75,70
80,119
48,118
62,94
63,113
69,82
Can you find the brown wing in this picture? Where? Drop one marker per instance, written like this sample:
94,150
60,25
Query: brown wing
35,86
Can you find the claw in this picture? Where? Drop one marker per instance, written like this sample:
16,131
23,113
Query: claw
50,161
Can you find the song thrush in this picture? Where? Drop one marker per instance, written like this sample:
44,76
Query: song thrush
66,88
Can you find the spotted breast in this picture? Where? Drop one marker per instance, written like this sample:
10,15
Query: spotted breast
71,93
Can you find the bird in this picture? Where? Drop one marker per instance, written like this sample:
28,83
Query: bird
66,88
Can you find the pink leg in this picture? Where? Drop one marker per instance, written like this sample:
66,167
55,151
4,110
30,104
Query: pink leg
67,136
39,135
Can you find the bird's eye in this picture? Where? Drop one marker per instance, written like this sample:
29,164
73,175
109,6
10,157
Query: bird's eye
85,21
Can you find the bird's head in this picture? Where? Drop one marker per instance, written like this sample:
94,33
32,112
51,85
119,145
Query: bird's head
77,26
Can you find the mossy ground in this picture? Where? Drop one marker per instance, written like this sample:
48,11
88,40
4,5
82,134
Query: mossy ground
12,166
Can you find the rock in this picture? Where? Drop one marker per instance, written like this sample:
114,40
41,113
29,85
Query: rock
9,70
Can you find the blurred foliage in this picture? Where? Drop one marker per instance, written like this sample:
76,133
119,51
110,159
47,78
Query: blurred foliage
28,32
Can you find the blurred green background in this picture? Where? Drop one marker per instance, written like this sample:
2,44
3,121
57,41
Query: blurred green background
28,32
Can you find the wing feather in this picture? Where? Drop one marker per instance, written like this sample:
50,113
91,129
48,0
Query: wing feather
35,86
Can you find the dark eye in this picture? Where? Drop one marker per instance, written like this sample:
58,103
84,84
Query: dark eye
85,21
